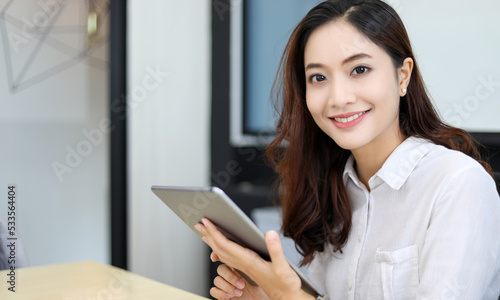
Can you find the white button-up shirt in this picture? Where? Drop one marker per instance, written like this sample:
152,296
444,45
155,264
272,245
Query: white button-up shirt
429,228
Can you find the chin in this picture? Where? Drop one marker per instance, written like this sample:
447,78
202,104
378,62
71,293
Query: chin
348,145
350,142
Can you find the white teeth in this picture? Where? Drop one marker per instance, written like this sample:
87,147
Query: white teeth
351,118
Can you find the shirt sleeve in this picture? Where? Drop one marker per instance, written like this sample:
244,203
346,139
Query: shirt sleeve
460,258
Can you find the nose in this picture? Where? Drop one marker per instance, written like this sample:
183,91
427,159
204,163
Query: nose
341,93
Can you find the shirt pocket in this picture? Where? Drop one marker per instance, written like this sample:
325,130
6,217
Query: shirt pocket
395,274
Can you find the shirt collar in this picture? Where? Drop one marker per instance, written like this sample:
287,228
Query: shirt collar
398,166
349,171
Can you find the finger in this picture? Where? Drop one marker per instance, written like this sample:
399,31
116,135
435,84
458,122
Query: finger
207,237
227,287
218,242
231,276
214,257
211,231
220,294
200,227
273,243
275,249
228,251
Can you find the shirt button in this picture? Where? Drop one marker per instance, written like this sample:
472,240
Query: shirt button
349,286
359,238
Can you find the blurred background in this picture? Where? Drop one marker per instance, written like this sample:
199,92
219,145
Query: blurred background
101,99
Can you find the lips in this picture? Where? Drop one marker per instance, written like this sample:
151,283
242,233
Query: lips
348,119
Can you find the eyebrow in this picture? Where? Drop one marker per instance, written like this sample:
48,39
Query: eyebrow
347,60
355,57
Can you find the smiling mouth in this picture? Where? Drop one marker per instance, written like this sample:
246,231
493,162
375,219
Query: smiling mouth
349,119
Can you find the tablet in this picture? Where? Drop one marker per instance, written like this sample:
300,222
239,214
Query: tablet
191,204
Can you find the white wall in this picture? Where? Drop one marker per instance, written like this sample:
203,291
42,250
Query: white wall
62,214
168,134
456,44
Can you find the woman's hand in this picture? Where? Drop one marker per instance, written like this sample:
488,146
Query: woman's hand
230,284
276,278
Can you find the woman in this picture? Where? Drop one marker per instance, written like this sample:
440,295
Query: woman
383,199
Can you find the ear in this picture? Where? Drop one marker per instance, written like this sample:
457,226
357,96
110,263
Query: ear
404,75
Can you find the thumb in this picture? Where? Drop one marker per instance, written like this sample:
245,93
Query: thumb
288,279
275,249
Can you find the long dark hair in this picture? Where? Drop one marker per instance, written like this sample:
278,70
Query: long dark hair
316,208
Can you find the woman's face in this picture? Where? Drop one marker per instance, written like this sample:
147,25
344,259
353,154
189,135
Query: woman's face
352,87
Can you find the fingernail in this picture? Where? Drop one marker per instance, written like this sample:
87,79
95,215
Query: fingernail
204,239
229,295
272,236
238,292
240,284
197,227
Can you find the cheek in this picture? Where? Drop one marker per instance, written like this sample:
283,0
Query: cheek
310,104
383,94
314,103
373,89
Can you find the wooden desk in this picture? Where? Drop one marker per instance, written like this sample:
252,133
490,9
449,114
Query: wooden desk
86,281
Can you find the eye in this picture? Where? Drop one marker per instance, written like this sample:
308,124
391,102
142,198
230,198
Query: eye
360,70
317,78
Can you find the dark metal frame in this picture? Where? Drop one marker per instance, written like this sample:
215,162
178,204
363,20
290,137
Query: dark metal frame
118,135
